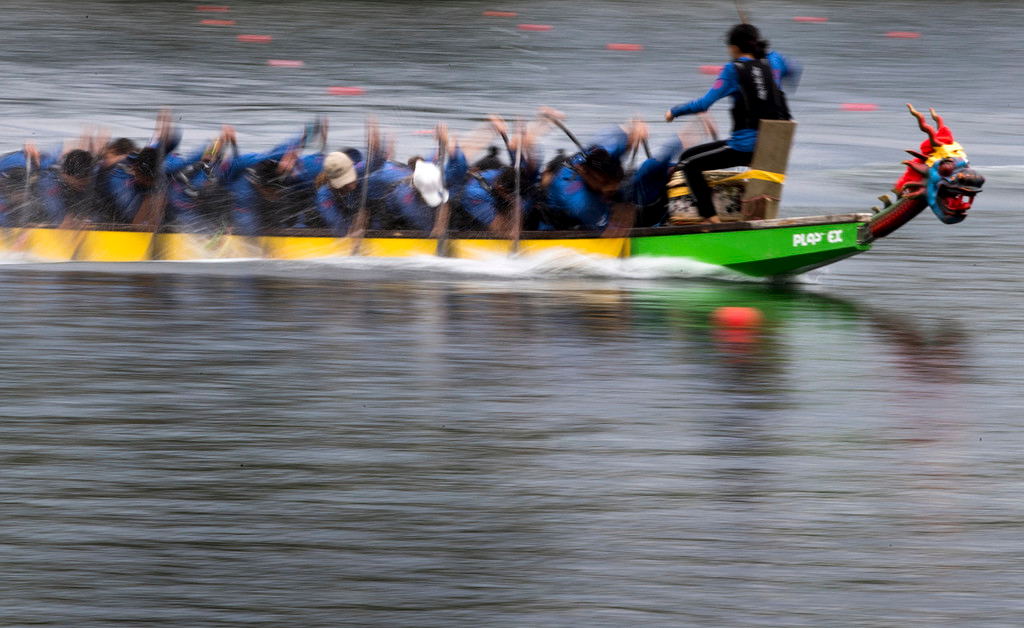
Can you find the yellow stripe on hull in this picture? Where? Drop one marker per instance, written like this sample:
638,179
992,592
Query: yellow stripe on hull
397,247
190,246
298,247
114,246
480,249
129,246
600,247
53,245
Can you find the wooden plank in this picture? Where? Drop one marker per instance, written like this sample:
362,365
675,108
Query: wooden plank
774,141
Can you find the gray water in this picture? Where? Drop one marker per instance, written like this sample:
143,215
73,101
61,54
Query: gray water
556,443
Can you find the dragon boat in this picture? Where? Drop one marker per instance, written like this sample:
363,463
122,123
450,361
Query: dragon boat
751,240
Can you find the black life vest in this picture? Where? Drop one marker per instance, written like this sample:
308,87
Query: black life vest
760,98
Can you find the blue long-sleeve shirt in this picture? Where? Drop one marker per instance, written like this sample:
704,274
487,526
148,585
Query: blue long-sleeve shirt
246,199
727,84
392,183
477,200
128,191
569,195
335,209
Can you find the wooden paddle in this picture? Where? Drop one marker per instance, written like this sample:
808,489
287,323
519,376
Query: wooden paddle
357,230
557,122
517,201
443,217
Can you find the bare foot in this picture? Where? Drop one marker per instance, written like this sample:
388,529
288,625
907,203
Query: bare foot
713,220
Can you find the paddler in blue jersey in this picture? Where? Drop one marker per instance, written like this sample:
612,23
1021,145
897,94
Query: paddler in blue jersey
753,79
18,170
142,180
65,189
646,188
486,201
259,182
407,196
195,197
113,157
581,191
339,185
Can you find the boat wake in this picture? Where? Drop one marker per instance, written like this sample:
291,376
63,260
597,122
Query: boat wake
553,264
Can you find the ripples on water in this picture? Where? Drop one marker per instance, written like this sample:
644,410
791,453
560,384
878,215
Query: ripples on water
556,443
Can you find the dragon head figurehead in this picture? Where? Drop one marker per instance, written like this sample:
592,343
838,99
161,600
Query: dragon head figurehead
940,173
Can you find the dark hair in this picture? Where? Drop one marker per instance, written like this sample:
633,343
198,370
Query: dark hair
353,154
145,162
77,163
122,146
747,38
490,161
265,173
600,161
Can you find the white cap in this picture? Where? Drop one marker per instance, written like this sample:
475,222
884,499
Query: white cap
426,178
339,170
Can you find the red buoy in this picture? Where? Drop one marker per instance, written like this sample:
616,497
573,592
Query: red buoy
710,69
499,14
737,317
903,34
810,19
217,22
535,27
858,106
285,63
345,91
255,39
626,47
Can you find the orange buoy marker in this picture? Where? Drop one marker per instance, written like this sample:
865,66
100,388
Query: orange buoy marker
858,106
217,22
285,63
903,34
345,91
626,47
535,27
213,8
710,69
810,19
499,14
737,317
255,39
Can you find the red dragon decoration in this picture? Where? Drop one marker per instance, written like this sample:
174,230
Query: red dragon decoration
939,177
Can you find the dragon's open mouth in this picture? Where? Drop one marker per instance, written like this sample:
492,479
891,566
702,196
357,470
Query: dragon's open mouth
957,194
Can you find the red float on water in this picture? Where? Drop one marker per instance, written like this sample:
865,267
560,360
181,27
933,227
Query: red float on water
213,8
345,91
858,106
810,18
217,22
737,317
710,69
255,39
285,63
903,34
500,14
627,47
535,27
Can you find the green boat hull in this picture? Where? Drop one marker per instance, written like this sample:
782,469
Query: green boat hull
765,248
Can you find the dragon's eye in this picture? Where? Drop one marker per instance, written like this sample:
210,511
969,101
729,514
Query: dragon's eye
946,167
